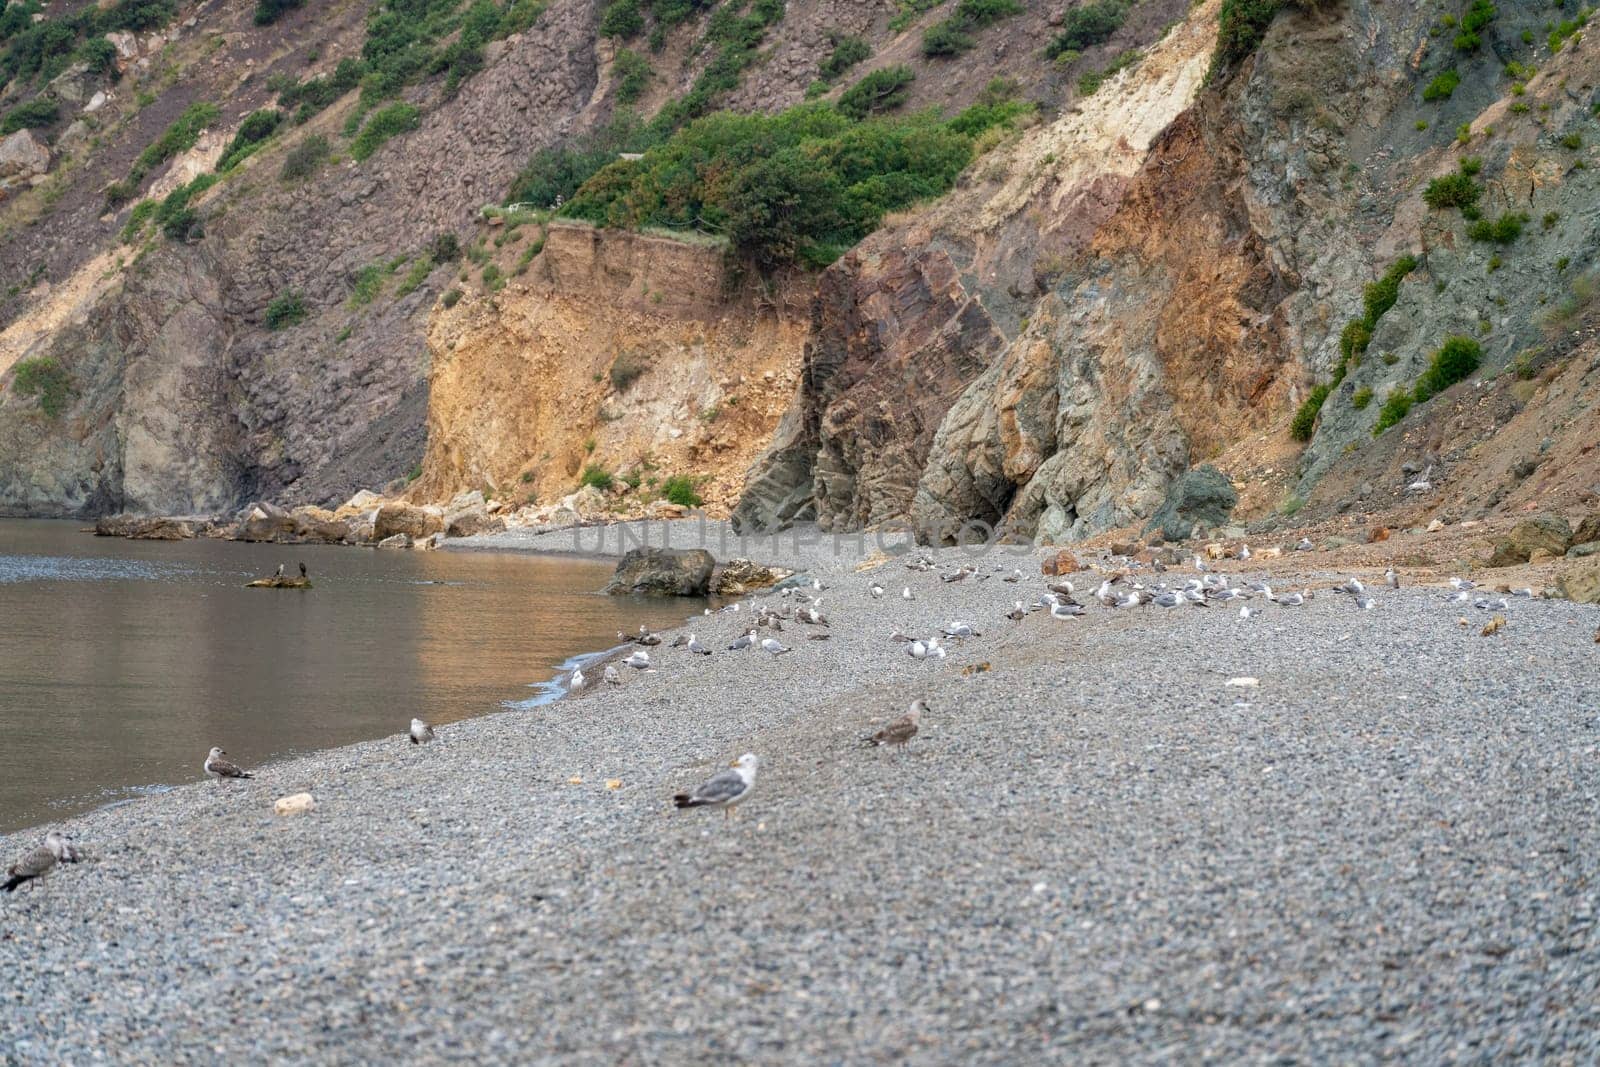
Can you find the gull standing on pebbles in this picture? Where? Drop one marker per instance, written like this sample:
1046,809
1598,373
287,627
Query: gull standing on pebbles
612,675
902,729
696,648
421,732
577,681
724,789
1393,579
743,642
1016,614
219,768
1065,609
774,647
877,591
905,593
39,862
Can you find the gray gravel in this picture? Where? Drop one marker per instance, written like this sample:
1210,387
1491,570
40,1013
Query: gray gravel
1096,851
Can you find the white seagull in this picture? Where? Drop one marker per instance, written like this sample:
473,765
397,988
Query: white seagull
421,732
744,641
774,647
219,768
877,591
696,647
612,675
577,681
640,660
905,593
725,789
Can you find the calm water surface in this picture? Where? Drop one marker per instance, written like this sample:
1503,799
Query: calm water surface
123,662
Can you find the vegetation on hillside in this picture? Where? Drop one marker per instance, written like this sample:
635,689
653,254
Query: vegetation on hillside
37,51
45,378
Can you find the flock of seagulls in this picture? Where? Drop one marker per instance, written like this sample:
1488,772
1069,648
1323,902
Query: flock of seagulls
1120,590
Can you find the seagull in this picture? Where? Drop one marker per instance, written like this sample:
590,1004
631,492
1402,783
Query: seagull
421,732
1365,603
1391,578
1525,591
905,593
724,789
773,646
1065,609
1200,564
648,638
1062,588
1352,586
1244,552
1244,611
1462,585
38,862
1016,614
743,642
280,570
1303,545
1290,600
961,629
638,661
1014,576
877,591
696,648
612,675
577,681
1168,599
902,729
302,570
917,649
219,768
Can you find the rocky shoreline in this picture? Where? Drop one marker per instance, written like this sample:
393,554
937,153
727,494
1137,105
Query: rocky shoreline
1097,848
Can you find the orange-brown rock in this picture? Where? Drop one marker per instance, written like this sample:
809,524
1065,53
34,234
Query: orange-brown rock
1063,562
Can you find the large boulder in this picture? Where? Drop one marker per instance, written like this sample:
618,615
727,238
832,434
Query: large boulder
1588,529
264,522
23,156
1542,533
663,572
1201,497
143,528
471,521
409,519
1581,584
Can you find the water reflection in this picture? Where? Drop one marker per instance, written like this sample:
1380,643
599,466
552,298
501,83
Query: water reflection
122,662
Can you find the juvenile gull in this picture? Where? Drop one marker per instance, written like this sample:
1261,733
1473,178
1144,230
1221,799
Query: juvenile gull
725,789
39,861
219,768
1016,614
902,729
422,733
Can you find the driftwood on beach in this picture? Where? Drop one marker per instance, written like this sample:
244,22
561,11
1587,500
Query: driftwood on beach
279,582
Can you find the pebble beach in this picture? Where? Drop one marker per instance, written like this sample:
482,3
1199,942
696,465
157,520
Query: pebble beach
1101,847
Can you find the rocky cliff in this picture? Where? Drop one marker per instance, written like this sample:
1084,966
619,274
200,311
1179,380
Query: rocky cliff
1174,263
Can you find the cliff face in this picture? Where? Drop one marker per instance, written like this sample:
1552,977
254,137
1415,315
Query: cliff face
1158,278
1152,275
629,353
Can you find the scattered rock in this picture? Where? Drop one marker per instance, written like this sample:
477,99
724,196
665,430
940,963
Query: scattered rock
740,576
295,804
1588,529
1436,525
1376,534
1587,548
276,582
472,521
398,540
23,156
663,572
1542,555
1549,534
1201,496
1126,548
1495,625
1063,562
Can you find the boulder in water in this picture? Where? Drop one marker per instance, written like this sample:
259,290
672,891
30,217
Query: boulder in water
663,572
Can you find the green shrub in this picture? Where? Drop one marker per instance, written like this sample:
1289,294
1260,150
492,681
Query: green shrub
269,11
33,115
621,18
178,137
305,158
847,52
1088,25
99,54
136,220
626,369
253,131
451,298
1395,408
1442,86
1361,398
595,475
953,35
1452,190
366,285
1305,419
386,122
176,218
1573,141
679,489
1378,297
445,248
1353,340
493,280
945,39
1471,166
882,90
285,310
1503,231
1455,361
43,377
1240,26
415,277
632,72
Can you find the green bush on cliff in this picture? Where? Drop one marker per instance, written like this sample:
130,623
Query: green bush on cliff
954,35
178,137
1454,362
33,115
270,11
632,73
847,52
1442,86
882,90
252,133
680,490
41,50
1087,25
385,123
284,310
304,158
798,187
1240,26
1453,190
44,377
1305,419
1502,231
1395,408
595,475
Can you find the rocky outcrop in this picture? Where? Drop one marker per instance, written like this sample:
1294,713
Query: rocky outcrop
408,519
1201,498
740,576
22,156
663,572
1550,534
144,528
